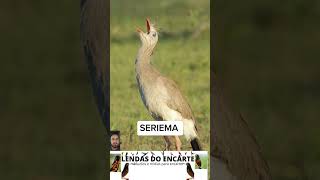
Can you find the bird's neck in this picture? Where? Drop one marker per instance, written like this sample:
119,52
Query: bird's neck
143,58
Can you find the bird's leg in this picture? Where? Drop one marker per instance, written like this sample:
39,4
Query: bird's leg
178,143
168,143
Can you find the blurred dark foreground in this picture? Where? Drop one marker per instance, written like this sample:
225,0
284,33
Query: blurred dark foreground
266,53
267,56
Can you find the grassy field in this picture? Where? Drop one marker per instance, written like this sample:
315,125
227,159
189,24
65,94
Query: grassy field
183,54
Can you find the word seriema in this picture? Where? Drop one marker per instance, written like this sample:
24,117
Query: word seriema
154,158
158,127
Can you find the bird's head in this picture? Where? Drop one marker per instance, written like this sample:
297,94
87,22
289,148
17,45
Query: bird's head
197,156
126,165
188,165
148,39
117,158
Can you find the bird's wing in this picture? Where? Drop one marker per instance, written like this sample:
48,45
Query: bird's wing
125,171
94,42
175,99
115,166
232,140
190,172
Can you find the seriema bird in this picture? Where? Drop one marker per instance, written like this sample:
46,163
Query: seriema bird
190,171
161,95
198,161
125,172
115,165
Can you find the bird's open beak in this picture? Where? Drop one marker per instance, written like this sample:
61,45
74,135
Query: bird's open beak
148,24
148,27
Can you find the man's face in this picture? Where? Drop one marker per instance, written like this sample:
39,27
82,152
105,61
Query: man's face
115,141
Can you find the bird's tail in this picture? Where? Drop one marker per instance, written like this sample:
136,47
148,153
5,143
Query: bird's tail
195,144
191,134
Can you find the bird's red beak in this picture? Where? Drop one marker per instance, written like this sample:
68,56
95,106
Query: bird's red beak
148,24
148,27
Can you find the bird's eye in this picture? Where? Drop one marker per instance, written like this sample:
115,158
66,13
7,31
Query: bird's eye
154,34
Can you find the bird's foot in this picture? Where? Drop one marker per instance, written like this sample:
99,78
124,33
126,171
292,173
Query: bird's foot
166,148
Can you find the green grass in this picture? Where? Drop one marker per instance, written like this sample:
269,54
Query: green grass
178,55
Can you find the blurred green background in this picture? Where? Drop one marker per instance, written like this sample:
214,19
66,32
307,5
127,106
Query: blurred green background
266,53
182,54
50,127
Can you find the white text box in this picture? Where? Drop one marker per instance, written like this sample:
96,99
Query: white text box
160,128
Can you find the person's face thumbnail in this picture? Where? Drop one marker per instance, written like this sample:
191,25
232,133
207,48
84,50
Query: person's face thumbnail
115,141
